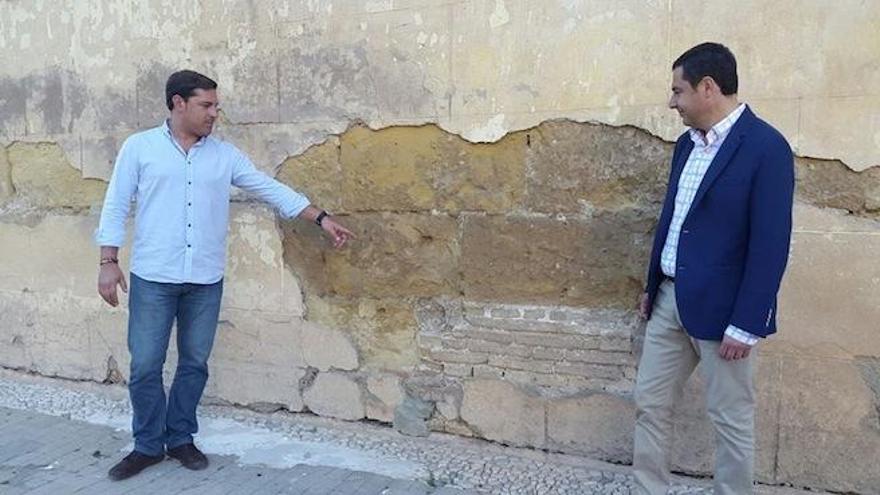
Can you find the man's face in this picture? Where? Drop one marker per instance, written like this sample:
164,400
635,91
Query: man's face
200,111
690,102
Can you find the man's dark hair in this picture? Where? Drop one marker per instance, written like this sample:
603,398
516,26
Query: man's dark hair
185,83
709,59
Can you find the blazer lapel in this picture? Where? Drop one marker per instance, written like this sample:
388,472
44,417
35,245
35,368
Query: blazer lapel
724,155
678,166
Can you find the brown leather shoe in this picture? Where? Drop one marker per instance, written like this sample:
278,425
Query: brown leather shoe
133,464
190,456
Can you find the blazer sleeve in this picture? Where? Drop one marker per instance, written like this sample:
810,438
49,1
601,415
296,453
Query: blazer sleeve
770,211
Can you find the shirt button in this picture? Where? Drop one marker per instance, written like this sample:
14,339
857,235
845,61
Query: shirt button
189,204
189,225
189,246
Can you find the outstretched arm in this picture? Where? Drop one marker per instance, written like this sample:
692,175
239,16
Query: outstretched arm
288,202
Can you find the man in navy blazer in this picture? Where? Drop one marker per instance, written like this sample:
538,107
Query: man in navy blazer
720,250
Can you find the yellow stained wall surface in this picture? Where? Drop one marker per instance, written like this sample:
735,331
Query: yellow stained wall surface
502,163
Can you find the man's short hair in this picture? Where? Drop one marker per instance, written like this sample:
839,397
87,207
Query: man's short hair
185,83
709,59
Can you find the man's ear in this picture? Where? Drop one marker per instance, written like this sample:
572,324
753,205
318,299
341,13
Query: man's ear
177,101
707,87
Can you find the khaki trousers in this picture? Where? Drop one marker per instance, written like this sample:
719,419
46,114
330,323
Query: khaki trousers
669,356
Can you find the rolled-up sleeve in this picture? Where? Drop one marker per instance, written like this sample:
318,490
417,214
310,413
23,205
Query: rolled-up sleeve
117,201
245,175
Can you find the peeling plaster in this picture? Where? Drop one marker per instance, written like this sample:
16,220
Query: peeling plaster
490,132
500,16
258,239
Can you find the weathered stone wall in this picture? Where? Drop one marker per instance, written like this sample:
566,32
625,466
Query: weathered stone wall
502,163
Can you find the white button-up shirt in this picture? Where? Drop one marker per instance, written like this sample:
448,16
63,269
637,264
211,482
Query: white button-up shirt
706,146
182,202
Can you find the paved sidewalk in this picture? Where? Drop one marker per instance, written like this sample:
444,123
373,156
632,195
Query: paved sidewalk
61,437
41,454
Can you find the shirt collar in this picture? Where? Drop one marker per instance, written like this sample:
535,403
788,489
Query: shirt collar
718,131
166,128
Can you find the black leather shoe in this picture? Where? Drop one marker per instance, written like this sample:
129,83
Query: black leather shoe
189,456
133,464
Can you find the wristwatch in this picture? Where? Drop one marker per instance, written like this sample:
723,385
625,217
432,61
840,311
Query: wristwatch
320,218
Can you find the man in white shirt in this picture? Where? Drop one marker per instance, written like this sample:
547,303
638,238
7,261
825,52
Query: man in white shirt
179,177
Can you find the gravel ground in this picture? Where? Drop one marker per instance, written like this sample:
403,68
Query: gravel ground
439,459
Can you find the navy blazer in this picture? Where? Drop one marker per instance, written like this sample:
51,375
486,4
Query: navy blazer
735,239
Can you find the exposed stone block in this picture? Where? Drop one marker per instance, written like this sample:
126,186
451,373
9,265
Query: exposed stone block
829,439
831,184
549,353
496,348
836,253
576,167
385,394
42,176
315,173
505,313
326,348
250,384
382,330
461,357
588,370
559,383
614,343
594,262
566,341
458,370
395,255
506,362
534,314
522,422
425,168
484,334
253,339
410,417
335,395
522,324
598,425
487,372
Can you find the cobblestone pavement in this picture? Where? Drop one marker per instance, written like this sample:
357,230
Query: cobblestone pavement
60,437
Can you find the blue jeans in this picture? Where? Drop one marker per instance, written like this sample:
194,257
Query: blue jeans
153,307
